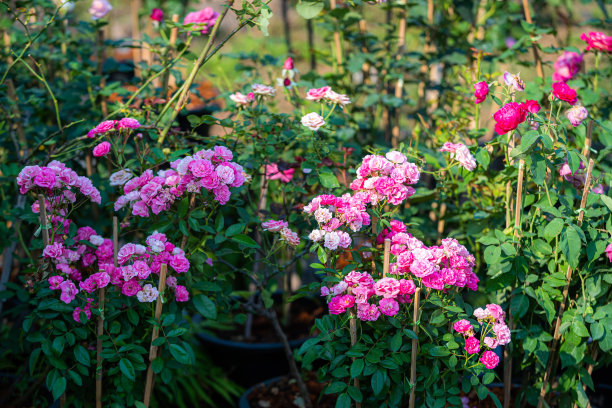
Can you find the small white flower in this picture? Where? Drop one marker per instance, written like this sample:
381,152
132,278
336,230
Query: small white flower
96,240
120,177
313,121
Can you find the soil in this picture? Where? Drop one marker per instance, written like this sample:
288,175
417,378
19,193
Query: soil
302,314
285,394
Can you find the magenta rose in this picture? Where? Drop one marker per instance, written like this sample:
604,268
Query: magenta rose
508,117
181,293
563,92
462,326
388,307
597,41
567,66
531,106
203,19
131,288
472,345
54,282
387,287
157,15
45,178
179,263
489,359
102,149
481,90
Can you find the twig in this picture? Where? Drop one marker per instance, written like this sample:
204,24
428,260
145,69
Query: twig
413,358
150,381
568,278
386,257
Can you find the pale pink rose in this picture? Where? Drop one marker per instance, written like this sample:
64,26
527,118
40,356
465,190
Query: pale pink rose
387,287
273,173
332,240
203,20
388,307
313,121
274,226
514,81
264,90
491,342
496,311
502,332
368,313
241,99
577,114
339,99
99,9
225,173
396,157
54,251
290,237
316,94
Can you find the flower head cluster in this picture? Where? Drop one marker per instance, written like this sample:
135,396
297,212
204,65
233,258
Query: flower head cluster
113,125
461,153
138,264
333,214
386,178
282,227
567,66
203,20
326,94
371,298
212,170
494,333
437,267
58,183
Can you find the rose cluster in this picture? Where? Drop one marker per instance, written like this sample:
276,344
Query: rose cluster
88,254
326,94
138,264
58,183
512,114
386,179
437,267
113,125
494,333
461,153
282,227
336,213
212,170
370,298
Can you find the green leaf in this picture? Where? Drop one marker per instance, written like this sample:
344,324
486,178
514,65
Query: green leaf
58,388
245,240
344,400
552,229
309,9
179,354
439,351
205,306
396,342
519,305
183,207
378,381
127,368
357,368
579,328
82,355
234,229
488,378
607,201
157,365
492,254
570,245
335,387
328,180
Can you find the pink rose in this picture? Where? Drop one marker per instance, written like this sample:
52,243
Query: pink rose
274,173
181,294
407,287
577,114
129,123
489,359
337,304
531,106
54,282
102,149
131,288
491,342
496,311
597,41
609,252
45,178
462,326
101,279
563,92
368,313
203,19
69,291
387,287
481,90
502,332
472,345
316,94
88,285
54,251
99,9
388,307
567,66
288,64
76,314
179,263
125,253
157,15
508,118
222,194
201,167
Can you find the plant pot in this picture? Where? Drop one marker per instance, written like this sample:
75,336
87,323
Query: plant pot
251,362
280,392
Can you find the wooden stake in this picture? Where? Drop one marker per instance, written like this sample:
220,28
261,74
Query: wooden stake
150,381
387,255
353,331
43,219
568,280
519,194
441,222
399,84
415,328
338,46
99,334
136,5
536,55
586,151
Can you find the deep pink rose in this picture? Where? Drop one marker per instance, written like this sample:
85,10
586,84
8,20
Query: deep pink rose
45,178
179,263
481,90
102,149
508,118
563,92
531,106
597,41
489,359
181,294
388,307
462,326
204,19
131,288
567,66
472,345
157,15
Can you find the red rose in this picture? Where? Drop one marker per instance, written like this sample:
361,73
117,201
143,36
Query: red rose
481,90
531,106
562,91
508,118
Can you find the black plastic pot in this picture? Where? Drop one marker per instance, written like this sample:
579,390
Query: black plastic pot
244,398
249,363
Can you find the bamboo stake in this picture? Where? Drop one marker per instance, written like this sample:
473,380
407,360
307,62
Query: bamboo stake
399,84
365,68
43,219
387,255
353,331
519,194
135,6
337,45
150,381
415,328
586,151
568,278
536,55
441,222
170,80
